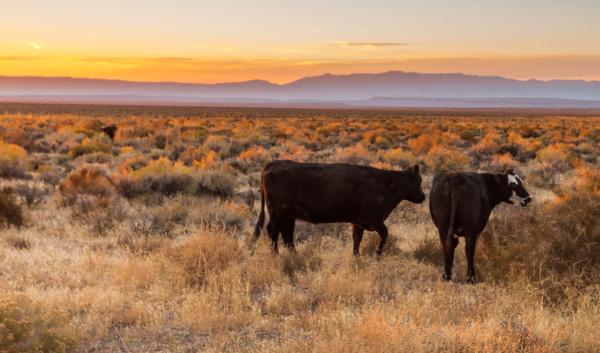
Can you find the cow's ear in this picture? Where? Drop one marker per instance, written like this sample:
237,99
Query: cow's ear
416,169
510,171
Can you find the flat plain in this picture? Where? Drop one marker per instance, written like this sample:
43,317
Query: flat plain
141,243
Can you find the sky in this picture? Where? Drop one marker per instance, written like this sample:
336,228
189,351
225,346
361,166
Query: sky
283,40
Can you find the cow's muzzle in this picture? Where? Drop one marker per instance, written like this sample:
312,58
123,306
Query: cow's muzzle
525,201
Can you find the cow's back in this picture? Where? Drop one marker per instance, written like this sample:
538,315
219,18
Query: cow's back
323,193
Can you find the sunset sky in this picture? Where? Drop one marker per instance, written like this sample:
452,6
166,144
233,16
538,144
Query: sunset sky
282,40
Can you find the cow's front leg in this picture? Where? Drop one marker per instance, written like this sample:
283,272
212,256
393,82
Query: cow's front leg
357,235
471,240
383,233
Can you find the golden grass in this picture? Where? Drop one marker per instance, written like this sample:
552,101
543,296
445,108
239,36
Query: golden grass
175,272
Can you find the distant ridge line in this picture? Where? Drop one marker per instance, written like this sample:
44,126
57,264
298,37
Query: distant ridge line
393,88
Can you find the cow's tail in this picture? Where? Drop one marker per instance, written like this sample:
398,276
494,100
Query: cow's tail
261,216
453,205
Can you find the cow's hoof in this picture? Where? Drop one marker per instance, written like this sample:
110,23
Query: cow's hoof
472,280
446,277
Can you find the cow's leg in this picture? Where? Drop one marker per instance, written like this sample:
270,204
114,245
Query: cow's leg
448,253
287,232
357,235
471,240
273,230
383,233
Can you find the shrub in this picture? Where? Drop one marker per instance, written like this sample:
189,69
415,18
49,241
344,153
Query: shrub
10,211
193,133
132,164
10,152
95,158
88,146
543,175
226,214
163,184
93,197
30,193
205,255
13,170
127,150
399,157
25,327
488,144
379,137
294,152
220,182
88,179
218,144
11,158
354,155
554,247
422,144
556,155
587,180
502,162
209,160
469,135
254,155
163,165
527,132
527,144
160,221
132,132
441,158
429,250
211,181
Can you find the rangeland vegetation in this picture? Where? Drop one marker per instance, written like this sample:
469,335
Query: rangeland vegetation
141,243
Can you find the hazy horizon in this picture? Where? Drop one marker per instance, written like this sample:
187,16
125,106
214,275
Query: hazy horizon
293,79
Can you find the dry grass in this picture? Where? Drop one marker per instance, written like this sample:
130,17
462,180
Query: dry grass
174,272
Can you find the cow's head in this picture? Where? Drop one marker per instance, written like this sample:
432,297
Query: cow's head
515,183
414,193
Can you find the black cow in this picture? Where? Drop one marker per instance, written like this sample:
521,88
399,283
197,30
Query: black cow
329,193
110,131
460,204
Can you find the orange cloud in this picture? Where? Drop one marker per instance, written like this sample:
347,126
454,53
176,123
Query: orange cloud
193,69
370,44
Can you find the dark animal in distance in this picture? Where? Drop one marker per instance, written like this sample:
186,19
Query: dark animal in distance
461,203
110,131
330,193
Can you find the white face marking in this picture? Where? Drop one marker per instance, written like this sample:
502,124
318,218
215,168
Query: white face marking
512,179
519,178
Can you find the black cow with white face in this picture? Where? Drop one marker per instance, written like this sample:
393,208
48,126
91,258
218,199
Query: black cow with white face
461,203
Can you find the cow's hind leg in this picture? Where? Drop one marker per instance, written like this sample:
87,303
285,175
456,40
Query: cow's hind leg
273,230
448,253
287,233
357,235
383,233
471,241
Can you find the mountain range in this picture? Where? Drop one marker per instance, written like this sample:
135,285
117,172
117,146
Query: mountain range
390,89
